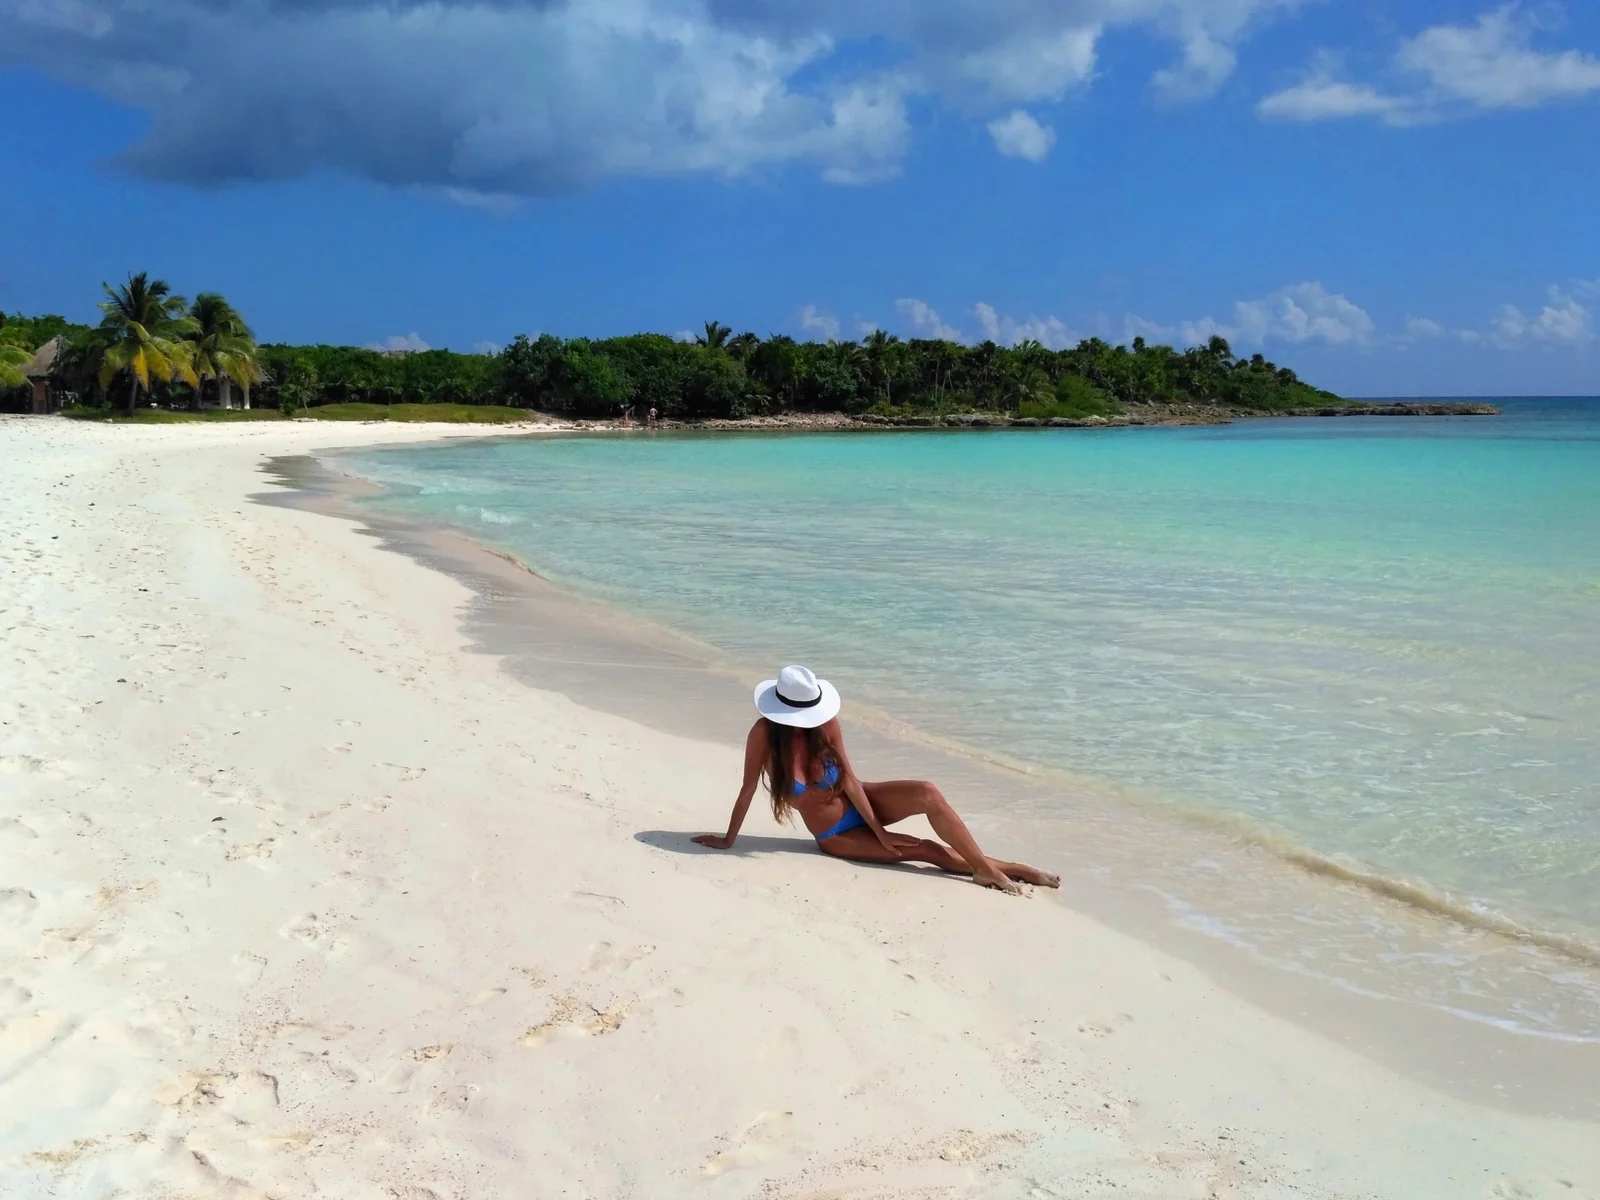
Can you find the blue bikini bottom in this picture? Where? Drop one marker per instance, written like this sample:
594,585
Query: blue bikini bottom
851,820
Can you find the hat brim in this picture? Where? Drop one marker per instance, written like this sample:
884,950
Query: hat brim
774,709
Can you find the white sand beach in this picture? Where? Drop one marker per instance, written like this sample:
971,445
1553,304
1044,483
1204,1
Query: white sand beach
303,897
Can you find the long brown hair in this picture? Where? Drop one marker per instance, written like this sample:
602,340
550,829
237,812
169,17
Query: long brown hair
779,768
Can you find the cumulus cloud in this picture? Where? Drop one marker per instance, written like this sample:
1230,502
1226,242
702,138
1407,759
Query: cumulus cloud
1008,331
1492,63
487,348
1206,63
1320,97
1151,331
1306,312
491,101
409,343
822,324
1019,135
1561,322
926,322
1302,313
1448,70
1422,329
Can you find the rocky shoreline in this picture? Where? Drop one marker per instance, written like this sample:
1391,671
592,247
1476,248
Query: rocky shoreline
1137,414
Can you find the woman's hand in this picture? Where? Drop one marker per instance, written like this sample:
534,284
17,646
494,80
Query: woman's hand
716,841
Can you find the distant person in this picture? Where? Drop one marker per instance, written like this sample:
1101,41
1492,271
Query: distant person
797,745
652,417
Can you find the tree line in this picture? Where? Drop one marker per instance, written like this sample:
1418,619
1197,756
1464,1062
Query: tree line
153,347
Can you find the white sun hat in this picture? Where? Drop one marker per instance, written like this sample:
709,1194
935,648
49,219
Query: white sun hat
797,697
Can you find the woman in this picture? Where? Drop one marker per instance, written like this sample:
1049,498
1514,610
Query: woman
798,745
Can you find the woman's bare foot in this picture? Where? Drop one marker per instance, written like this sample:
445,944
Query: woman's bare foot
993,878
1023,873
1035,876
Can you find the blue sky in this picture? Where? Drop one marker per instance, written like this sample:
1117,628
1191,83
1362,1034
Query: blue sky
1395,198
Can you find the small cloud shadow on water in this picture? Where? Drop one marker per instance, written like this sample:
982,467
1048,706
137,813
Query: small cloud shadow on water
682,843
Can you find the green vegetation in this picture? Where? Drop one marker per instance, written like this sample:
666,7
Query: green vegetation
171,416
153,349
12,359
454,413
457,414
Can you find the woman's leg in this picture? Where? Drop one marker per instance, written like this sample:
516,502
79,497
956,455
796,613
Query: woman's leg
860,844
901,798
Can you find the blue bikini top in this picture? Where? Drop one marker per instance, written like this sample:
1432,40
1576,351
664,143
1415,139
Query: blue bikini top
829,781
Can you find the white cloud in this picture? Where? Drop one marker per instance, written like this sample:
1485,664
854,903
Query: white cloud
1151,331
1449,70
1019,135
1492,64
1319,97
926,322
813,320
1032,67
1561,322
1206,63
1305,312
1423,329
410,343
685,335
1008,331
487,348
487,102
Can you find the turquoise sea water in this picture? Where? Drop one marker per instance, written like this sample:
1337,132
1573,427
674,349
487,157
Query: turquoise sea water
1376,639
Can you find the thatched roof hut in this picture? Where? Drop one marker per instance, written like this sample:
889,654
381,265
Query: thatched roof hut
41,371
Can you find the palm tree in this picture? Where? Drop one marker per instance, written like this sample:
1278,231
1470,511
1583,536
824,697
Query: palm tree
12,359
883,357
715,336
848,356
142,333
743,346
223,347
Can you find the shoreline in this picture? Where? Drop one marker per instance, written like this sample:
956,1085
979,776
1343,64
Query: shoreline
1139,416
1136,416
309,896
517,603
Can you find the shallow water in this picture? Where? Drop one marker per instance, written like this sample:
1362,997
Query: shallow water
1366,643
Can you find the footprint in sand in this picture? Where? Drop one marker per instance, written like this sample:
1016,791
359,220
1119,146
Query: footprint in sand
448,1102
341,748
13,995
311,930
573,1017
16,902
14,827
427,1053
257,852
28,764
1099,1027
251,967
408,774
770,1135
606,958
249,1097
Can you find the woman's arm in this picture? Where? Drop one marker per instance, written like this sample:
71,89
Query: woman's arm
755,756
850,785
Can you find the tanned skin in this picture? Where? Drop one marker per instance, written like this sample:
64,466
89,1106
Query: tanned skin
880,805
